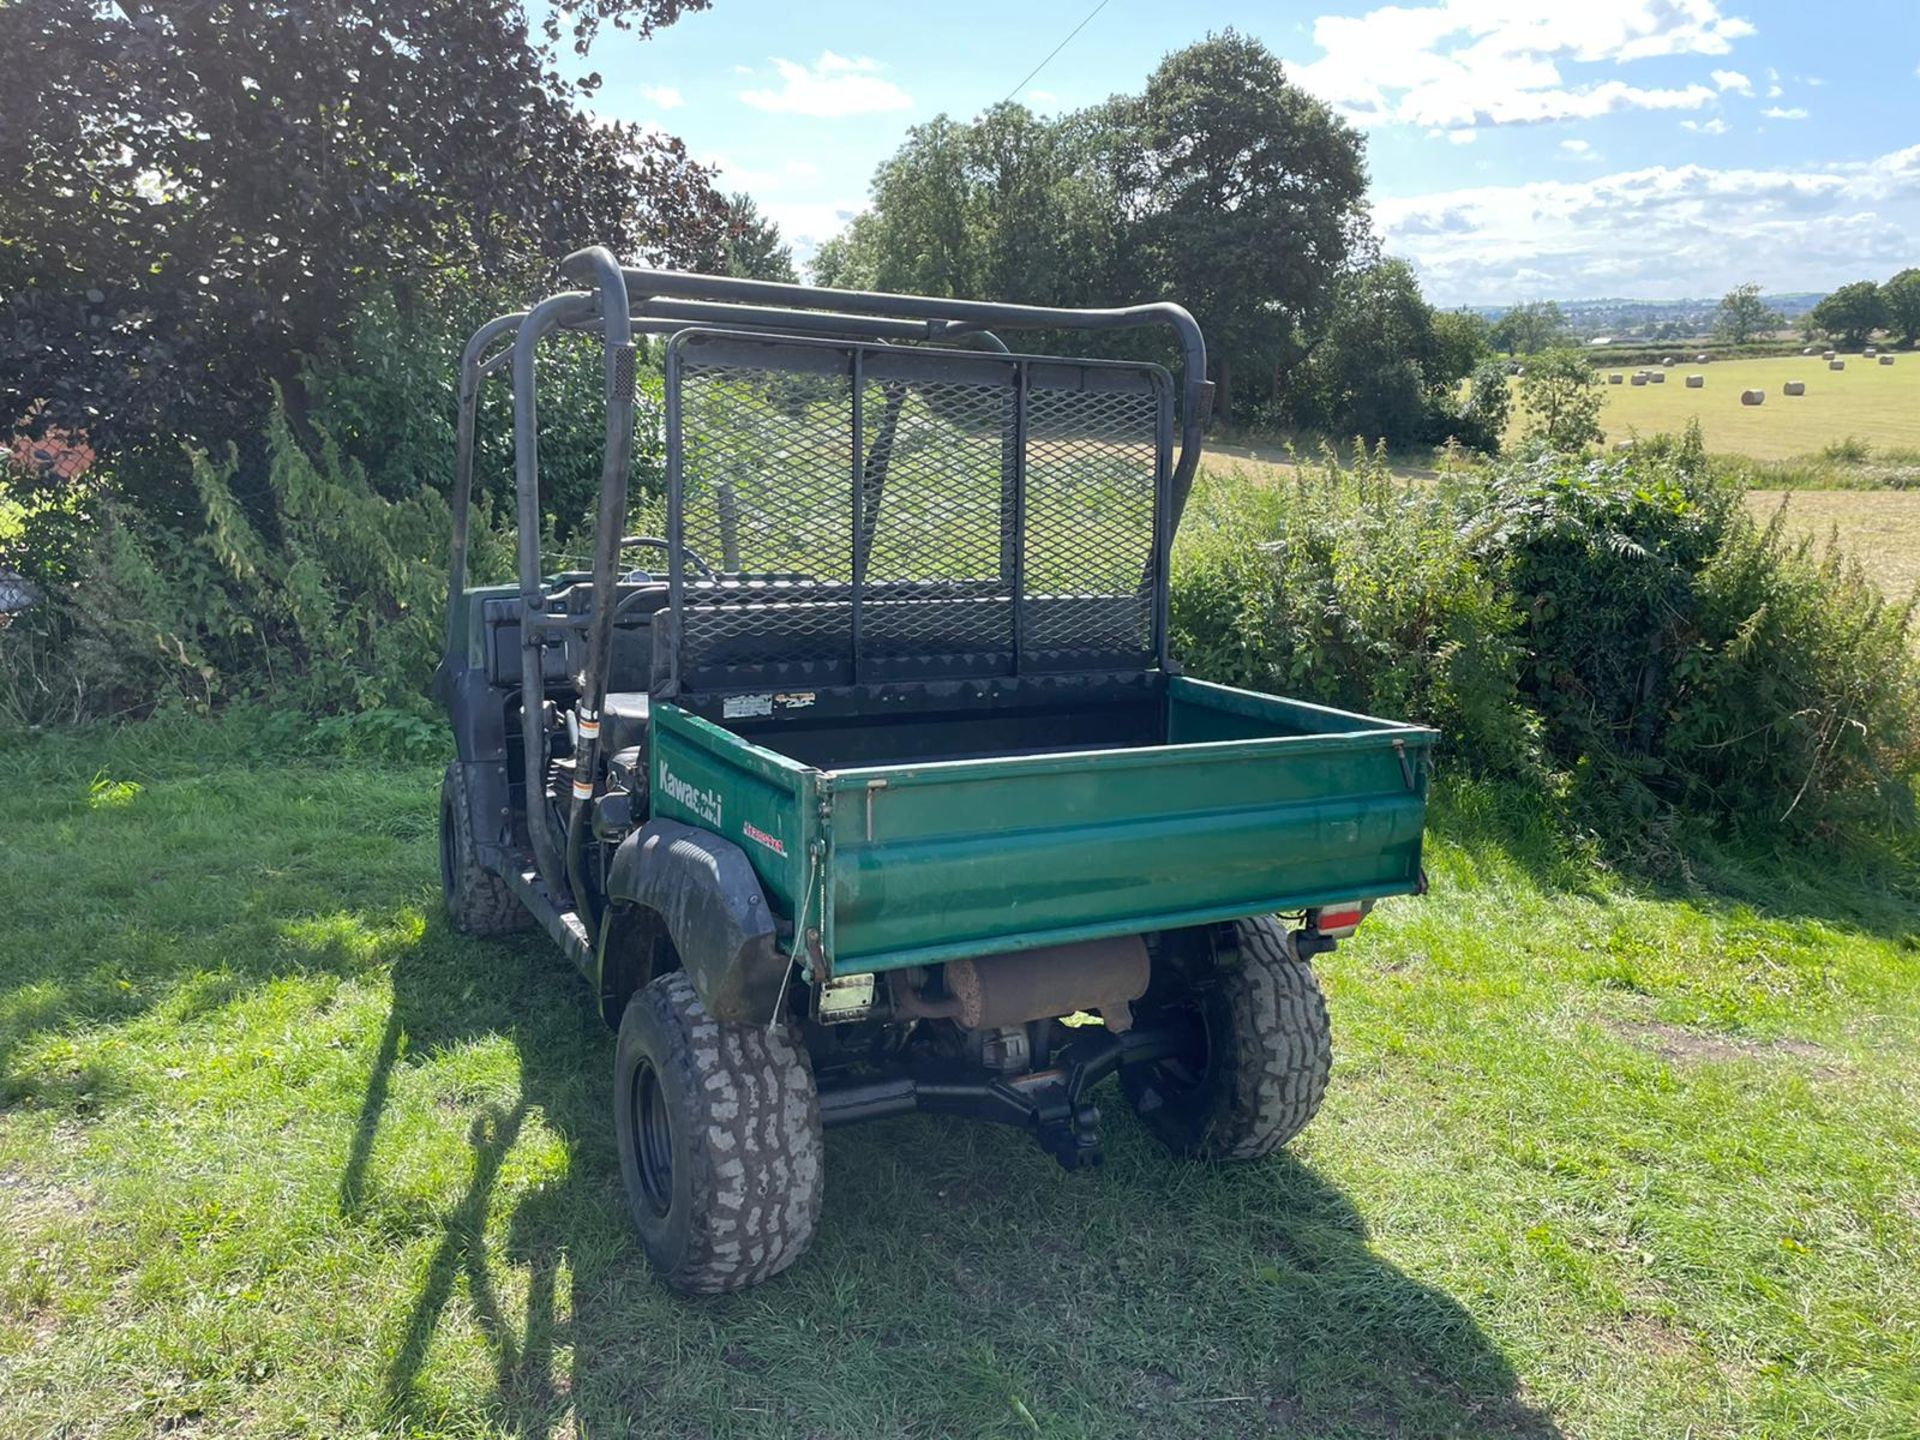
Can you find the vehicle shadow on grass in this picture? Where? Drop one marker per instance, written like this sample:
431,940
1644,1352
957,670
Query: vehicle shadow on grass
447,992
960,1282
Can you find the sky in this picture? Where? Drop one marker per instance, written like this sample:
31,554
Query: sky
1518,149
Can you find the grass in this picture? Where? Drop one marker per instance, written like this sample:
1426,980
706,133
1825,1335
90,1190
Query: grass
1877,404
280,1155
1880,527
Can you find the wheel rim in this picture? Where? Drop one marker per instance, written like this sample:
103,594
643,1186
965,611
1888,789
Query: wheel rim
1178,1079
652,1138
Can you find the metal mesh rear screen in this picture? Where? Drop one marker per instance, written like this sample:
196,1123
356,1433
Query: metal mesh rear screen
904,532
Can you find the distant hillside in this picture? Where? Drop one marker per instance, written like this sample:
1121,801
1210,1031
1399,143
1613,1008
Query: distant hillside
1626,319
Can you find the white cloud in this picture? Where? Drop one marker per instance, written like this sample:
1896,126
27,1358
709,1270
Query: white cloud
1774,92
1733,80
1581,150
1042,98
806,224
1778,112
1715,126
802,169
833,86
1454,137
1454,64
1662,232
665,96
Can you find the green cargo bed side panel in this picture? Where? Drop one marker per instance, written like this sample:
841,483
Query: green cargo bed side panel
761,801
1257,805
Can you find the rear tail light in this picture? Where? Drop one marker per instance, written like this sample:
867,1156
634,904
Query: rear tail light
1337,920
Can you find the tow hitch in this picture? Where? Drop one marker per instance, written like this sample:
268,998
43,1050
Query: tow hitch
1051,1104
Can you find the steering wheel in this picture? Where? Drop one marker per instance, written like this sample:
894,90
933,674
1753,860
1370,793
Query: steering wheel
654,542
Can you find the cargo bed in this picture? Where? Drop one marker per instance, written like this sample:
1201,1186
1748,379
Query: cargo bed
1008,816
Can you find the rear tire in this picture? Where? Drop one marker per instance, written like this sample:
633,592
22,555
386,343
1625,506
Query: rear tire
719,1134
1269,1048
478,901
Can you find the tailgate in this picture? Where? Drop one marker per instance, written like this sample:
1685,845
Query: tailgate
1255,804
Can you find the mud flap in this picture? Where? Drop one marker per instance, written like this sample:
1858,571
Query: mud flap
714,911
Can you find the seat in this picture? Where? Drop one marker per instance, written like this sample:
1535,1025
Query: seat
623,720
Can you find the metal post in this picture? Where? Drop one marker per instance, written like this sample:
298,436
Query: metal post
669,685
543,318
1022,379
857,475
597,265
474,366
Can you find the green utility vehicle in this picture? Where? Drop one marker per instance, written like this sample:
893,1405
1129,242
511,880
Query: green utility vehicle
867,783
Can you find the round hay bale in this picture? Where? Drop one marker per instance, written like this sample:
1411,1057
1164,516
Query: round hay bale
1753,397
1886,359
1616,378
1869,352
1700,359
1828,354
1640,377
1807,351
1623,444
1658,377
1696,382
1667,361
1836,364
1794,387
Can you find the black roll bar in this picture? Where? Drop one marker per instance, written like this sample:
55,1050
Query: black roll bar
621,301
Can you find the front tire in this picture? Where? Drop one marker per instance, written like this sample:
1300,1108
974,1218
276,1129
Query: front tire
478,901
719,1134
1268,1052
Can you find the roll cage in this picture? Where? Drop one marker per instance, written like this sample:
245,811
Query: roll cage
620,302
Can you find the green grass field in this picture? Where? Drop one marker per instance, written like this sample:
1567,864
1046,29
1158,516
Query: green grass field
280,1155
1879,404
1879,527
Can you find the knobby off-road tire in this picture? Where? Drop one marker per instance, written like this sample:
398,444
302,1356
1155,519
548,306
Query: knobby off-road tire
719,1132
478,901
1269,1049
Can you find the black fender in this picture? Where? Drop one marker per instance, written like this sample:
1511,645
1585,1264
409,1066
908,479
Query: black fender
701,891
477,714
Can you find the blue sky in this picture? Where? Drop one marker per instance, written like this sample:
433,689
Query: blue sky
1517,148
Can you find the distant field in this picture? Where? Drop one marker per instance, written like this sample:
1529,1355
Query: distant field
1881,527
1876,403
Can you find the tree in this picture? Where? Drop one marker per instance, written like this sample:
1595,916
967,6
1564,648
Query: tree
1742,316
1560,396
1901,296
1009,207
1251,198
192,196
1529,327
1373,372
752,247
1461,340
1222,187
1851,313
1482,421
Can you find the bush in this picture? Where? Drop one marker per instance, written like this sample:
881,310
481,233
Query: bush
1619,633
337,607
1353,589
305,565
